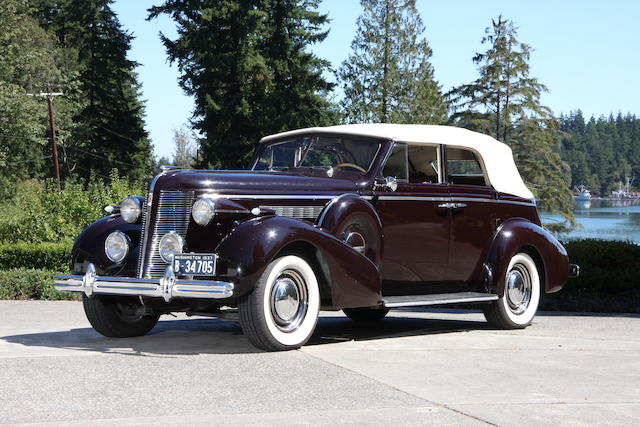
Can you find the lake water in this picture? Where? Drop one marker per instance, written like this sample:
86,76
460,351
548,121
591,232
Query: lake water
604,219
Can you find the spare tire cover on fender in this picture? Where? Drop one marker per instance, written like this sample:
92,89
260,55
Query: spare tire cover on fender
351,215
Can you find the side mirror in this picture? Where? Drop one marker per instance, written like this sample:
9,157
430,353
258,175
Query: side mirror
390,184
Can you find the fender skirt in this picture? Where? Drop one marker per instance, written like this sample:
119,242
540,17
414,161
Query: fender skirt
352,279
518,234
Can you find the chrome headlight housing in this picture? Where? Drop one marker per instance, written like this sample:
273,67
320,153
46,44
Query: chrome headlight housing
130,209
170,244
116,246
203,211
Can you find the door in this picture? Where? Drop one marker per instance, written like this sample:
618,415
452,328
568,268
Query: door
416,230
472,217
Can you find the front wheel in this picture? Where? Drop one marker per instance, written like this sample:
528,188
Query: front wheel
118,317
282,311
516,308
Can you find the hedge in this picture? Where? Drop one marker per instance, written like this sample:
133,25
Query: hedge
29,283
46,256
608,280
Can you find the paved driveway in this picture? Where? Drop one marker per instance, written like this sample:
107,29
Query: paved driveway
440,367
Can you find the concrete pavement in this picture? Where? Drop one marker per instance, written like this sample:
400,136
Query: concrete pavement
433,367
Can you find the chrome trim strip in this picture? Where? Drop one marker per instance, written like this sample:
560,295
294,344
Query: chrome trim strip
451,199
167,287
452,300
271,196
415,198
295,211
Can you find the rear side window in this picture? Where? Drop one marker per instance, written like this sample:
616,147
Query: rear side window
464,168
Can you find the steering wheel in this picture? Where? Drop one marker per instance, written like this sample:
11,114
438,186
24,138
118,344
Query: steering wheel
350,165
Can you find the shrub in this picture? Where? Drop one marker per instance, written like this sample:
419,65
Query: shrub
28,283
608,280
48,256
38,212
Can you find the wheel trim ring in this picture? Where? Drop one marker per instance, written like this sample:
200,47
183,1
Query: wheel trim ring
289,323
519,288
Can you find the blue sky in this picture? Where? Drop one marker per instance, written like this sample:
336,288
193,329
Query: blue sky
586,52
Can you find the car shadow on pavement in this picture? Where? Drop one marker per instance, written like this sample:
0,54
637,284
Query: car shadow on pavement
214,336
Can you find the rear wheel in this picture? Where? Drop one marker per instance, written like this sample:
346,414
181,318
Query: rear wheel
118,317
517,307
282,311
365,314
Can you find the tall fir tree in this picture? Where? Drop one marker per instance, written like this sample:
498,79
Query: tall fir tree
246,64
505,102
109,126
388,76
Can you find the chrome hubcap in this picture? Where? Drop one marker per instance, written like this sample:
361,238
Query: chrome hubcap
356,241
288,300
518,289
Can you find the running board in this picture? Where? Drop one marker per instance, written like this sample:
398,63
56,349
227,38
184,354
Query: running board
436,299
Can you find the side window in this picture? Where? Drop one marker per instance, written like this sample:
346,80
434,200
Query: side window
396,165
463,167
423,164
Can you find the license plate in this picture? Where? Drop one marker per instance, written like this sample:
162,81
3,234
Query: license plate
195,264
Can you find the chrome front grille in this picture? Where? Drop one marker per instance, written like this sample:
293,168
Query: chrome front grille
171,214
298,212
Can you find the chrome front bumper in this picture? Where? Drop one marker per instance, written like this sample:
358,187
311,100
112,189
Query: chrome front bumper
166,287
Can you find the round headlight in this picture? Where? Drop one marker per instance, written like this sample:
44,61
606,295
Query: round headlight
203,210
170,244
116,246
130,209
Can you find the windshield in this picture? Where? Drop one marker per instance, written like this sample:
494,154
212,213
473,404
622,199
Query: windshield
330,153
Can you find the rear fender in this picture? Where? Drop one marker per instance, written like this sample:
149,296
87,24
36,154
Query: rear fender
521,235
353,280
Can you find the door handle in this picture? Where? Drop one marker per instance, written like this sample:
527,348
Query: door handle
452,205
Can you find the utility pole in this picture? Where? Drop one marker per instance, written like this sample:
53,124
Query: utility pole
52,127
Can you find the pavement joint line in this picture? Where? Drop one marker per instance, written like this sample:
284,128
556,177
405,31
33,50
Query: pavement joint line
440,405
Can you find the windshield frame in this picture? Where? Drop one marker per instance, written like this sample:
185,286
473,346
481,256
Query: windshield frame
314,138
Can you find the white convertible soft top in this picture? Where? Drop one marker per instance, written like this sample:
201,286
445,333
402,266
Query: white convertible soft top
496,156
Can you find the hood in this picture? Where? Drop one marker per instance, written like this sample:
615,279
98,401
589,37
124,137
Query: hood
253,182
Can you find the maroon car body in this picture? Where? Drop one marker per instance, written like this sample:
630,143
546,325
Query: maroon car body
377,231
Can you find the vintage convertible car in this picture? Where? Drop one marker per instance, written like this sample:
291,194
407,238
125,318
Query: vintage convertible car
359,218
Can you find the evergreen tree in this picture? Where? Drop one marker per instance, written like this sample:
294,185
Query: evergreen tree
505,102
246,64
109,128
388,76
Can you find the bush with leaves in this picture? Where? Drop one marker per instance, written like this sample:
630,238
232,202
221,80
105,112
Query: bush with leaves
38,212
29,283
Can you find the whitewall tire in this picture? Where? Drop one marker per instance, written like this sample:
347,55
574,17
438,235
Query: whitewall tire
282,311
517,307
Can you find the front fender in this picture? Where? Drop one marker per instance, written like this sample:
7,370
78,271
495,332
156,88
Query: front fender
354,281
89,247
519,234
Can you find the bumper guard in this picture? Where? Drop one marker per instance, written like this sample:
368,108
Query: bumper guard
166,287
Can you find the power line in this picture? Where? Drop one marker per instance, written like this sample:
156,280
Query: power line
28,160
100,156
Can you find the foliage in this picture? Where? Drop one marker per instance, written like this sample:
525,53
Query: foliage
49,256
248,67
39,213
505,102
28,62
108,129
608,280
601,152
28,283
388,76
184,149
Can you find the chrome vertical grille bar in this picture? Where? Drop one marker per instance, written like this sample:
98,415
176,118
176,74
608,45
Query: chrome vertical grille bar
172,214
